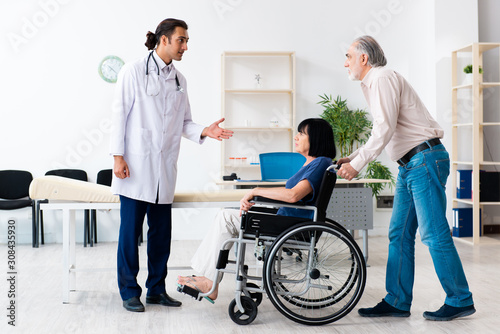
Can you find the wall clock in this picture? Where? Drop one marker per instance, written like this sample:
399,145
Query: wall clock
109,68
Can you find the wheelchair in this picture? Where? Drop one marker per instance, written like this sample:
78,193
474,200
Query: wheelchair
313,271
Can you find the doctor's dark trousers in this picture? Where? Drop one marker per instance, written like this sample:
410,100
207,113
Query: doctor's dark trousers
159,217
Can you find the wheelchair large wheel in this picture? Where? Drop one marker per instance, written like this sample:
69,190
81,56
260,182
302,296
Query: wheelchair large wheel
336,296
326,284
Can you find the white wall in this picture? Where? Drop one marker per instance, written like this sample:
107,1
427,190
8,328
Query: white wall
55,108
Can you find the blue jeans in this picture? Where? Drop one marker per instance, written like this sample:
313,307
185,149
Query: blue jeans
420,202
132,214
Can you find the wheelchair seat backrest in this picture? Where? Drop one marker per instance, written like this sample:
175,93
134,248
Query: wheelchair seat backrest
325,192
271,225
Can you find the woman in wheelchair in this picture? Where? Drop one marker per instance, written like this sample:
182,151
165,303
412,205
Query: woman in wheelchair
315,142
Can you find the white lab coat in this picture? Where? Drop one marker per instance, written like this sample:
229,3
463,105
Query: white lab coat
147,131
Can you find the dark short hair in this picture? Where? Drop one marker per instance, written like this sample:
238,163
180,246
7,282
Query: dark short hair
167,28
320,132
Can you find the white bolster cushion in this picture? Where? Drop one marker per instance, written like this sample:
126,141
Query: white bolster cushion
61,188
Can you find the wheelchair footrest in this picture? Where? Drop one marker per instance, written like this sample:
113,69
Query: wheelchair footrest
192,292
188,291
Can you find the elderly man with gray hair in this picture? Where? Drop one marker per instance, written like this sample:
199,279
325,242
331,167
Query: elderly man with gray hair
411,137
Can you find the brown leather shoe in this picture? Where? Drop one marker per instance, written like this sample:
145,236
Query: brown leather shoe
163,299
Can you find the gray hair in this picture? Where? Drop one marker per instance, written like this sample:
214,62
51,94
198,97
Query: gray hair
369,46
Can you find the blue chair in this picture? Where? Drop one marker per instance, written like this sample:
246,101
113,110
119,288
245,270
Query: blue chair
280,166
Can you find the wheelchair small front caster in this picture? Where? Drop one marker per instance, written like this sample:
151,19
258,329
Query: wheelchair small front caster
246,317
256,296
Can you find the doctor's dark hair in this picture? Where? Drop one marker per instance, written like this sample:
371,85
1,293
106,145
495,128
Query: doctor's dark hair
369,46
321,142
167,28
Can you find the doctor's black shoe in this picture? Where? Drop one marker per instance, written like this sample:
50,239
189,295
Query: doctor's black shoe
133,305
447,312
383,309
163,299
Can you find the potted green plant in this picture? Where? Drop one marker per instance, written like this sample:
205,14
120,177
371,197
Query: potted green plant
468,69
468,74
351,129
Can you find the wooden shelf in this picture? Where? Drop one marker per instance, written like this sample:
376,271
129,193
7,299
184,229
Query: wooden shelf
243,102
489,163
481,163
258,91
461,87
249,129
489,84
258,53
481,85
470,202
463,201
241,166
481,46
477,124
489,123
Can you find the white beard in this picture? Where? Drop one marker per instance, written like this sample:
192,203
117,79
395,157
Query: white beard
353,77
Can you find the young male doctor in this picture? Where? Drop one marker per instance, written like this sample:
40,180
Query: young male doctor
151,113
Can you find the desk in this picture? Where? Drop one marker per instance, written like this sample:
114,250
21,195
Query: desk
181,200
282,183
236,184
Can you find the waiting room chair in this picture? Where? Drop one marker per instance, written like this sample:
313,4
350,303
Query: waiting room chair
14,192
104,177
75,174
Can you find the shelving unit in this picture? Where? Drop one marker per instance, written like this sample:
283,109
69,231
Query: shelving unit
258,103
476,126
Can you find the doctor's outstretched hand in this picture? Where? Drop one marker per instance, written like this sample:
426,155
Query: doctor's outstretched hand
216,132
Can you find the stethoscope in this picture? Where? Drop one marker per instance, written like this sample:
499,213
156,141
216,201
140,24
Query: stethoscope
155,92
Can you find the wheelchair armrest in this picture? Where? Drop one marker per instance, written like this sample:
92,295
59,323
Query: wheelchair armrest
261,200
